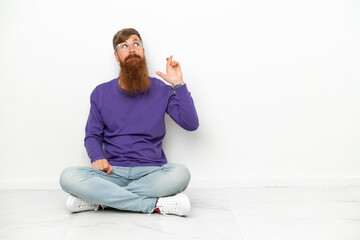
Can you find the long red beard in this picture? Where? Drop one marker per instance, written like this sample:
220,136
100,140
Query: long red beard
134,77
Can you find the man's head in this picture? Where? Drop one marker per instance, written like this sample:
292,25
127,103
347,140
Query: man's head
124,34
127,37
129,52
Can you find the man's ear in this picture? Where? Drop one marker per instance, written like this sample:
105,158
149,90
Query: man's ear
117,57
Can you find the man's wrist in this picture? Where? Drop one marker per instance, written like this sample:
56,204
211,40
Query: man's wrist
176,85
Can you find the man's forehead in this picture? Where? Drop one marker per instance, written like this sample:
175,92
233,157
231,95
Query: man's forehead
132,38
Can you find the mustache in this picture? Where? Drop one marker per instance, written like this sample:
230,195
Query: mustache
132,56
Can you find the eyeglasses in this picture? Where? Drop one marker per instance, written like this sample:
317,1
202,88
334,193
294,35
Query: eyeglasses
125,47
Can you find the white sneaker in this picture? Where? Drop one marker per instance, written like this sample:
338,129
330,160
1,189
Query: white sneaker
174,205
75,204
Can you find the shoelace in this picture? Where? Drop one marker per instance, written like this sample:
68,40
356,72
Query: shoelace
170,206
86,204
156,208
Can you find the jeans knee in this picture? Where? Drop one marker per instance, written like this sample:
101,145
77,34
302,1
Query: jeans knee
185,173
67,178
181,176
64,178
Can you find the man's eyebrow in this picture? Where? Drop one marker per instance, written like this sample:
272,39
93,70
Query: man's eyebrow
135,40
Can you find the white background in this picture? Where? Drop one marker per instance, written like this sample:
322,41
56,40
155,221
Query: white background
276,86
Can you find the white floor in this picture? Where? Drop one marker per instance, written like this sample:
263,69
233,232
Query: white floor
229,213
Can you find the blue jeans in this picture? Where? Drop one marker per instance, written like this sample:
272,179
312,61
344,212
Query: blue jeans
126,188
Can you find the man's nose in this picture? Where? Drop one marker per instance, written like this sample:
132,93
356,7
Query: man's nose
131,48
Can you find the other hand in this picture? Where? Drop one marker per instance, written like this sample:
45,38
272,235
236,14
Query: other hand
102,165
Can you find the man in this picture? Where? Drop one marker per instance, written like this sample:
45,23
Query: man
124,135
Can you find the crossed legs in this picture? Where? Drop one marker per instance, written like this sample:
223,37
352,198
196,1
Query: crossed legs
126,188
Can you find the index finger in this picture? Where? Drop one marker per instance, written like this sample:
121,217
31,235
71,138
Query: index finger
109,170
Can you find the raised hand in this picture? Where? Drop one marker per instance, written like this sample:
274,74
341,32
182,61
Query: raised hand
173,72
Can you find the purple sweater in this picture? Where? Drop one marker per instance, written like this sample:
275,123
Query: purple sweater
128,130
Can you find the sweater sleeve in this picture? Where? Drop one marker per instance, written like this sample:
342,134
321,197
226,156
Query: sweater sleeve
181,108
94,131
